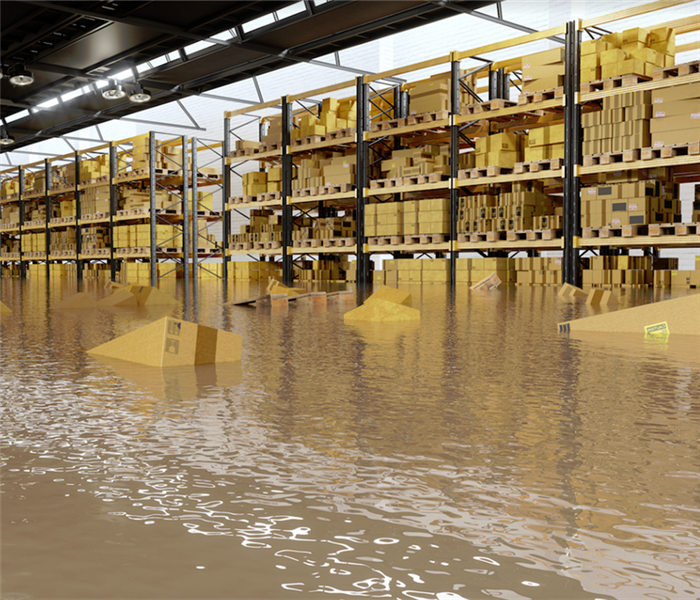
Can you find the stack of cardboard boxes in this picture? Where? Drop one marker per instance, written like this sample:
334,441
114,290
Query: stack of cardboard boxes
133,271
62,241
325,270
500,149
634,203
523,208
544,143
93,238
168,157
636,51
254,270
384,219
538,270
421,160
429,216
437,270
675,115
334,115
543,70
264,226
94,168
626,270
433,94
9,215
139,236
623,124
94,200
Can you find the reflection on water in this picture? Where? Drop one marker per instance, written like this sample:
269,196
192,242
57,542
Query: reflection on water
476,454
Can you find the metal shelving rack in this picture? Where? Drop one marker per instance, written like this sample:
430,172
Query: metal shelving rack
571,243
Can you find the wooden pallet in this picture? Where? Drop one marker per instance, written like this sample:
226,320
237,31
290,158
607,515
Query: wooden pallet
96,180
262,149
425,238
139,212
483,107
386,240
241,246
132,173
9,226
241,199
11,255
263,246
430,117
689,149
308,243
267,196
37,223
97,251
423,179
543,234
609,158
95,217
34,254
551,164
341,242
540,96
339,188
607,232
491,171
62,220
385,183
328,137
656,229
612,83
677,70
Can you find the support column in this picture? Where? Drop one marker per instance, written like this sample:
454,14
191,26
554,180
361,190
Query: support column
112,209
572,155
48,205
186,217
225,193
152,206
78,215
287,269
361,178
455,88
22,264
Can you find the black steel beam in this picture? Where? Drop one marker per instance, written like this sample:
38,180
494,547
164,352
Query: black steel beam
572,155
361,178
287,223
455,90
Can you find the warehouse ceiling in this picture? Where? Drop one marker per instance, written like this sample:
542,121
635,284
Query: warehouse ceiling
174,49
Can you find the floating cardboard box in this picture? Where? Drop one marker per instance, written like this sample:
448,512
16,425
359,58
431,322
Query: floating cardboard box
275,287
609,299
150,296
122,297
311,300
380,310
170,342
79,300
682,316
487,283
571,291
273,301
391,294
4,309
594,297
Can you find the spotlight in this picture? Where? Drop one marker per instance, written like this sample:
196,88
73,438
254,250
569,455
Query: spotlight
114,91
5,138
20,76
139,95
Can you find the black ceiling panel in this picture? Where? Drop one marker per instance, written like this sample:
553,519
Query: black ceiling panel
70,45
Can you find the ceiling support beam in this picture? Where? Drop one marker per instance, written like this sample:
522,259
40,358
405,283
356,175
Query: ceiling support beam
498,20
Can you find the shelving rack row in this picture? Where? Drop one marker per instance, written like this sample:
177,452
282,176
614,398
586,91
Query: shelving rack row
459,131
168,185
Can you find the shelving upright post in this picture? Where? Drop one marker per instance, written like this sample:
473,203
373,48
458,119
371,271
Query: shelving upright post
113,170
22,264
48,204
225,194
287,269
78,234
455,89
572,155
361,179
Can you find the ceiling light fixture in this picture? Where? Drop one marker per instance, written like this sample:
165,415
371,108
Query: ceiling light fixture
5,138
139,95
114,91
19,75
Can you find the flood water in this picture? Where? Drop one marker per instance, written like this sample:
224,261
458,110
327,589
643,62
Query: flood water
478,454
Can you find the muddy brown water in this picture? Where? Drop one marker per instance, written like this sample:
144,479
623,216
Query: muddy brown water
477,454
